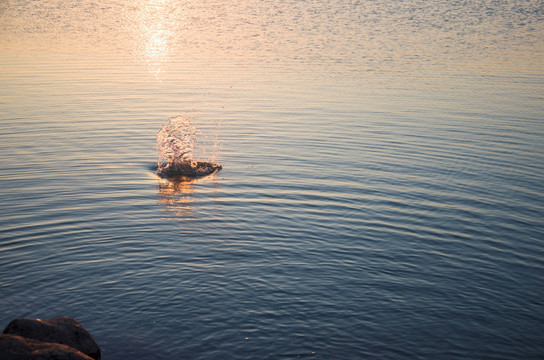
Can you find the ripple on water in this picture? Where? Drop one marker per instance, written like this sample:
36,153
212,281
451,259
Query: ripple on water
380,195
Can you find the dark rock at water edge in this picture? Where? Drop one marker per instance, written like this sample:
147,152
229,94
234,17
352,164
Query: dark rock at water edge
15,347
188,169
54,335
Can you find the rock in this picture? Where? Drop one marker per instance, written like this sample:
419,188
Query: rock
60,330
14,347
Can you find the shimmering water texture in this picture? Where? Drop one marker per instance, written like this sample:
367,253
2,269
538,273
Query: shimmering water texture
381,193
175,144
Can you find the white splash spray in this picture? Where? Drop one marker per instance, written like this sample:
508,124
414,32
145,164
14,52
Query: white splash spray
175,144
176,141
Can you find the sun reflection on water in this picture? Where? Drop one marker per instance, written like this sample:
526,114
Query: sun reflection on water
156,32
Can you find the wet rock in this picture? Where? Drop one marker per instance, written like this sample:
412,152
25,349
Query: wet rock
14,347
60,330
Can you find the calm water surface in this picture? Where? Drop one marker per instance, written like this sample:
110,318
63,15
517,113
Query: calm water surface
381,194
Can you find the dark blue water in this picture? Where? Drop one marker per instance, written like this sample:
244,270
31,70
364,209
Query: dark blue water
381,194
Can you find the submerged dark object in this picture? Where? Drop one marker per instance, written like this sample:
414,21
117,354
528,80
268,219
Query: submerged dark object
187,169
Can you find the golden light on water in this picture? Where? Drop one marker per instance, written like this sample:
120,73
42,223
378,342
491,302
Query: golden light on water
155,33
156,49
176,197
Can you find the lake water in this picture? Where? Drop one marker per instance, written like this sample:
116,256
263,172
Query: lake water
382,191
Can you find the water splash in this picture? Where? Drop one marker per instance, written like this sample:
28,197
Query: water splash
175,144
